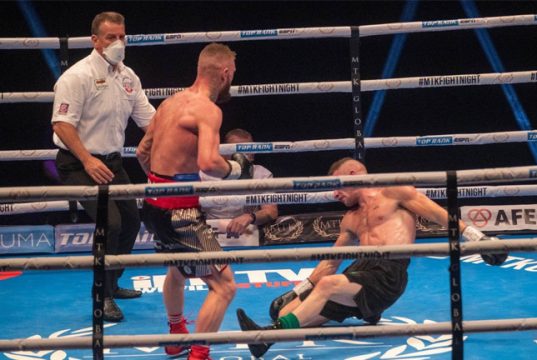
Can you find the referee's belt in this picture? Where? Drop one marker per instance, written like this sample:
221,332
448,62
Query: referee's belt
106,157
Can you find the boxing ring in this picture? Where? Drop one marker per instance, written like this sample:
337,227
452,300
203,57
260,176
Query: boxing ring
421,300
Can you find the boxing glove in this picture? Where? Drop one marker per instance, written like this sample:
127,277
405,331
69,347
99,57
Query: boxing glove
239,168
302,290
247,168
470,233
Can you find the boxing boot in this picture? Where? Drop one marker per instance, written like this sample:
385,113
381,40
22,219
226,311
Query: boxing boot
179,328
373,320
198,352
246,324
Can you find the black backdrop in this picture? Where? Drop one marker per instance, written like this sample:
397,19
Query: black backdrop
293,117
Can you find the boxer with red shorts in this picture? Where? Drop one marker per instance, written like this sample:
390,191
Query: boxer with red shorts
179,225
183,138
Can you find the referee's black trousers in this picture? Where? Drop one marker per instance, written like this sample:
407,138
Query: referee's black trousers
123,215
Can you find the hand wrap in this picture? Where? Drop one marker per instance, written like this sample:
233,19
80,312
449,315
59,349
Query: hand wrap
247,168
234,170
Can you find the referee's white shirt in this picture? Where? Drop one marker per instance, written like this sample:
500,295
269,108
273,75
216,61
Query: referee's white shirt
98,102
232,211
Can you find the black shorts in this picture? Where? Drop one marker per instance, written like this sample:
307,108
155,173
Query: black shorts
182,230
383,282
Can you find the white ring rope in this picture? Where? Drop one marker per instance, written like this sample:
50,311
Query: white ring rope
280,34
276,255
276,147
515,77
270,336
320,183
464,192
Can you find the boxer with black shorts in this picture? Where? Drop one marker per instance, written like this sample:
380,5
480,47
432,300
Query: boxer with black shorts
182,139
383,282
377,217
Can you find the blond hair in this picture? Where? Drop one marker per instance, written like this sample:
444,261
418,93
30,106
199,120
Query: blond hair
238,133
213,58
338,163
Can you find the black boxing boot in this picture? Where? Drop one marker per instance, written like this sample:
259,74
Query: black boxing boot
247,324
373,320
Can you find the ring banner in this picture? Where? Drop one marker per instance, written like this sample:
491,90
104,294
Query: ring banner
79,238
504,218
324,227
27,239
303,228
299,228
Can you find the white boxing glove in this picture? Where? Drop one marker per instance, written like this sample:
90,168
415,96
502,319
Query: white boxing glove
235,170
470,233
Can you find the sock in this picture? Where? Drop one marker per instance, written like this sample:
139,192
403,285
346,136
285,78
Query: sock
175,318
288,321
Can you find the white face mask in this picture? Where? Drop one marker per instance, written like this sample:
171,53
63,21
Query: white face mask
115,52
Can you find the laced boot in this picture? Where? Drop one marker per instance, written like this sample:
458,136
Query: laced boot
246,324
178,328
198,352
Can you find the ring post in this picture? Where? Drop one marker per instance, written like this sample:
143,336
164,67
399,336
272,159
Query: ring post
457,352
99,246
359,149
64,53
73,211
